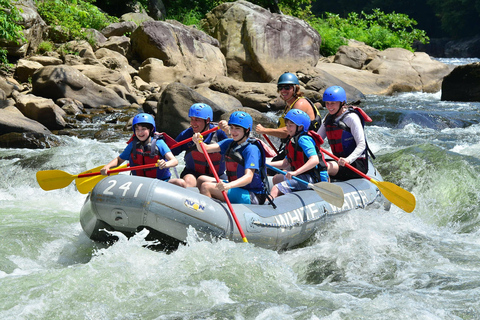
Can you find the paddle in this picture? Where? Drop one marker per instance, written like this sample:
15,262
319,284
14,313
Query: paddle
57,179
212,168
85,185
270,143
328,191
396,195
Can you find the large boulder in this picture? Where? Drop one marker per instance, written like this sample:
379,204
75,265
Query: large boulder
259,45
172,109
462,84
41,110
185,50
13,120
63,81
390,71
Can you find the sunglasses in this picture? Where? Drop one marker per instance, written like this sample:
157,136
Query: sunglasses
284,87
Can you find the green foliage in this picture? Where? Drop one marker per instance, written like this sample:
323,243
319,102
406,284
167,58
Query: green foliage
377,29
46,46
73,16
10,30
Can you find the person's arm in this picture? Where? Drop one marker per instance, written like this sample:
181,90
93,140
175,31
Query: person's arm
223,125
279,132
240,182
280,164
114,163
170,163
310,164
210,148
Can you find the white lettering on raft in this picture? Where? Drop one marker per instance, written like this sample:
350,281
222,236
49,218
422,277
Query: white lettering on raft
310,212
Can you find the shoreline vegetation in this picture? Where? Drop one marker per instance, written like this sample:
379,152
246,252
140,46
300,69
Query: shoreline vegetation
377,29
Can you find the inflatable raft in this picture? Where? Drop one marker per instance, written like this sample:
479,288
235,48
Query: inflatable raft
128,204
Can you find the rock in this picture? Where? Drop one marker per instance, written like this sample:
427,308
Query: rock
462,84
63,81
41,110
259,45
29,140
250,94
119,28
13,120
172,110
188,55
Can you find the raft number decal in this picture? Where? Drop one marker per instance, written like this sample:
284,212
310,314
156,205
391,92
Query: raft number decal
125,187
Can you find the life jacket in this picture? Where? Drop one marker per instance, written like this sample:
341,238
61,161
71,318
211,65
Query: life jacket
200,163
314,124
235,168
297,158
340,136
147,154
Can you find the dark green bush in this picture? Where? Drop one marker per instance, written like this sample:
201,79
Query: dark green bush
379,30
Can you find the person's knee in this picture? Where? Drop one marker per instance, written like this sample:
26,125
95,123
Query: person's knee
178,182
277,178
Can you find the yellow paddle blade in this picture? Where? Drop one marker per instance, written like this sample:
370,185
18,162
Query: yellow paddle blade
329,192
396,195
85,185
54,179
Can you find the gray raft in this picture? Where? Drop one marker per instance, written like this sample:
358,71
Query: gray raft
128,204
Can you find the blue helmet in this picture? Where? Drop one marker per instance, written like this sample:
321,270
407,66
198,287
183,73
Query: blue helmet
241,119
201,110
144,118
335,93
299,117
288,78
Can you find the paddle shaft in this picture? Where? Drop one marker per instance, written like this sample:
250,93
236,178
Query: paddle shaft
398,196
270,143
349,166
212,167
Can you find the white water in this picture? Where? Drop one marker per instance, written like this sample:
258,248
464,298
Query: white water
364,265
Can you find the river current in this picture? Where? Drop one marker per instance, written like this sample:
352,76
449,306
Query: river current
367,264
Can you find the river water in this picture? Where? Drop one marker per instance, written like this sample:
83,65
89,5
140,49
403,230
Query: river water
371,264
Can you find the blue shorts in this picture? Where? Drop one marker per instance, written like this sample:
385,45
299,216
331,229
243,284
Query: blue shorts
240,195
291,185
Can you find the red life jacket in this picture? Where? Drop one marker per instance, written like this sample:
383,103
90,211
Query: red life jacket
145,154
297,158
200,162
339,134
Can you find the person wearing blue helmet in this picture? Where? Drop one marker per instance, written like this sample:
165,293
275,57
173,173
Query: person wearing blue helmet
343,126
303,158
245,164
145,148
288,87
201,117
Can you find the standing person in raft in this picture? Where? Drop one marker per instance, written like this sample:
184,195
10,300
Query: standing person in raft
303,158
146,148
200,115
245,163
288,87
344,128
